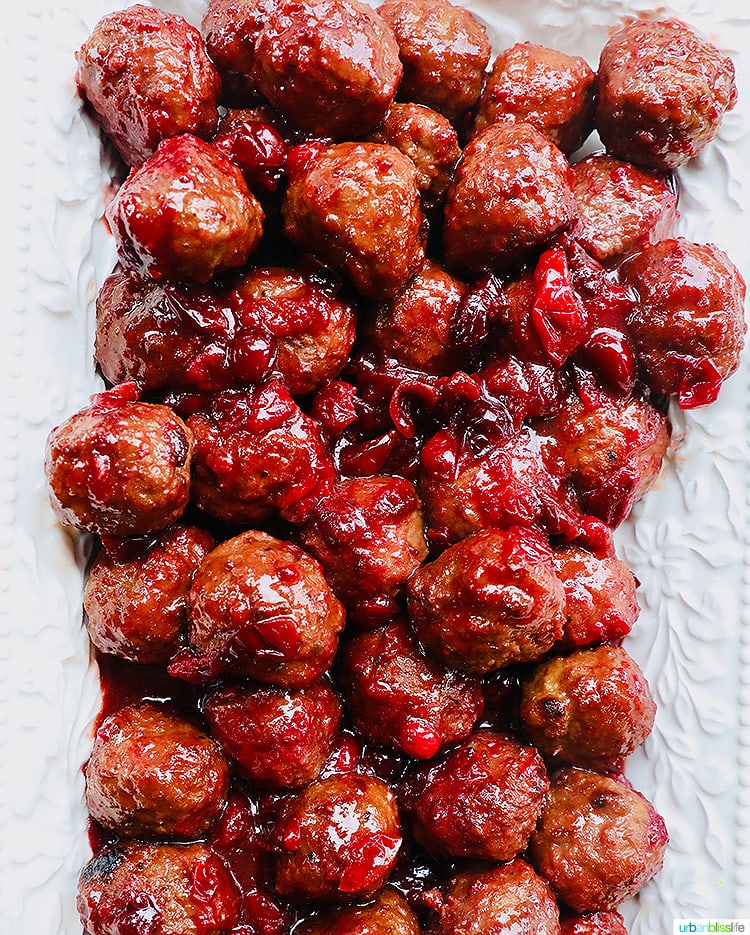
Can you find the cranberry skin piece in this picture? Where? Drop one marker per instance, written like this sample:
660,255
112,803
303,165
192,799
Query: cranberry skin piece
389,914
691,310
147,76
595,923
186,213
157,889
598,841
488,601
482,800
399,697
475,901
662,93
551,91
257,149
153,774
280,739
137,608
331,67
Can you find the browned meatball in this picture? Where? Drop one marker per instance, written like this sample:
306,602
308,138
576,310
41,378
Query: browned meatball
180,889
506,900
622,209
689,323
280,739
147,76
331,67
489,600
356,207
598,841
339,839
482,800
261,607
154,774
662,93
186,213
137,605
513,191
552,91
445,51
592,708
595,923
388,914
398,696
120,467
368,534
258,456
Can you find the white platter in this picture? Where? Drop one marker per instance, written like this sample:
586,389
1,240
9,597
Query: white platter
688,543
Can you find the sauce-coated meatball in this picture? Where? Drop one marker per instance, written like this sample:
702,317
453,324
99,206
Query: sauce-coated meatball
147,76
598,841
662,93
154,774
339,839
595,923
186,213
388,914
230,30
137,606
489,600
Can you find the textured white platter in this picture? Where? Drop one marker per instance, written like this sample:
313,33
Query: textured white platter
688,543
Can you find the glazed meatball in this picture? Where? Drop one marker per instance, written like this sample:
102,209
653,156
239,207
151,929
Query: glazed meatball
595,923
331,67
507,899
186,213
592,708
689,323
147,76
399,697
280,739
230,30
356,207
444,50
261,608
662,93
552,91
339,839
154,774
622,209
258,456
388,914
483,800
137,605
179,889
491,599
513,191
368,535
119,467
598,841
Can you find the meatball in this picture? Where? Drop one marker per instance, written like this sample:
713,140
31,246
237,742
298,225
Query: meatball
622,209
444,50
137,605
179,889
552,91
662,93
592,708
154,774
689,323
596,923
513,191
482,800
368,535
399,697
261,607
507,899
339,839
119,467
258,456
147,76
280,739
389,914
230,30
331,67
489,600
598,841
356,207
186,213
